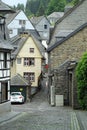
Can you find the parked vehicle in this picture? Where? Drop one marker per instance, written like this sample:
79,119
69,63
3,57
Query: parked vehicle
17,97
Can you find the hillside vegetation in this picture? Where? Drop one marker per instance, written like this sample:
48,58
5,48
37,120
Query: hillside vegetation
44,7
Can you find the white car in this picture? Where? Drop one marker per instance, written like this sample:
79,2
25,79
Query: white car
17,97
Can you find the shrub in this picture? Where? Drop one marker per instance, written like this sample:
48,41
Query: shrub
81,75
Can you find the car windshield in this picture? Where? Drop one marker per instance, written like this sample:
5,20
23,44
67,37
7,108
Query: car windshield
15,94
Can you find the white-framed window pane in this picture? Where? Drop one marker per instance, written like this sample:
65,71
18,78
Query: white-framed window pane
29,76
29,61
8,56
1,56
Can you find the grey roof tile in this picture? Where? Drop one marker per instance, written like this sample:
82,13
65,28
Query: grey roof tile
71,20
11,16
17,42
66,38
19,80
4,44
56,15
5,8
36,20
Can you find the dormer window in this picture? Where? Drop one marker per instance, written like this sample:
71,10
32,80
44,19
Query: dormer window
22,22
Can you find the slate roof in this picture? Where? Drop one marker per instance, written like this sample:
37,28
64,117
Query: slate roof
36,20
11,16
18,42
4,39
4,44
5,8
71,20
56,15
66,38
39,45
19,80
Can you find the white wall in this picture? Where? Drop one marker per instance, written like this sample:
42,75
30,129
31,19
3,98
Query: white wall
14,25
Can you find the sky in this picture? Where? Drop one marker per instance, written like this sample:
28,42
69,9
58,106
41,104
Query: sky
14,2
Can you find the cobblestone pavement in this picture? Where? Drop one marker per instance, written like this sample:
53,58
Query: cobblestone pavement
82,119
39,115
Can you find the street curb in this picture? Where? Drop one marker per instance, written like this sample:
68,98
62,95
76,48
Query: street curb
74,122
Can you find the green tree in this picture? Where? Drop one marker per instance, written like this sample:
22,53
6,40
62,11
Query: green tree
56,5
20,7
81,75
41,9
76,2
32,7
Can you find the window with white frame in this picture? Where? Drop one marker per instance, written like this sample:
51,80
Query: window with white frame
29,76
29,61
22,22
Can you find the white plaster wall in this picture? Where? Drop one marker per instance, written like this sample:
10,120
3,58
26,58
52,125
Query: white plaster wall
14,25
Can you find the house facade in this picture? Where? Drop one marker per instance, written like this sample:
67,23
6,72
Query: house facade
65,49
64,56
27,59
5,54
42,25
18,22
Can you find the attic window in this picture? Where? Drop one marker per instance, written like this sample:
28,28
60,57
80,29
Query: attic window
31,50
22,22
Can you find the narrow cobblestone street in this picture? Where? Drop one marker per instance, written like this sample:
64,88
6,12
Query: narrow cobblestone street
39,115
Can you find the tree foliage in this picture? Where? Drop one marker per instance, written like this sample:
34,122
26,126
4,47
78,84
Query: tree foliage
20,7
56,6
32,6
81,75
76,2
44,7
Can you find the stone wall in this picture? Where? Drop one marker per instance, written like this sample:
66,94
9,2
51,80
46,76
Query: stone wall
60,58
71,49
60,78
